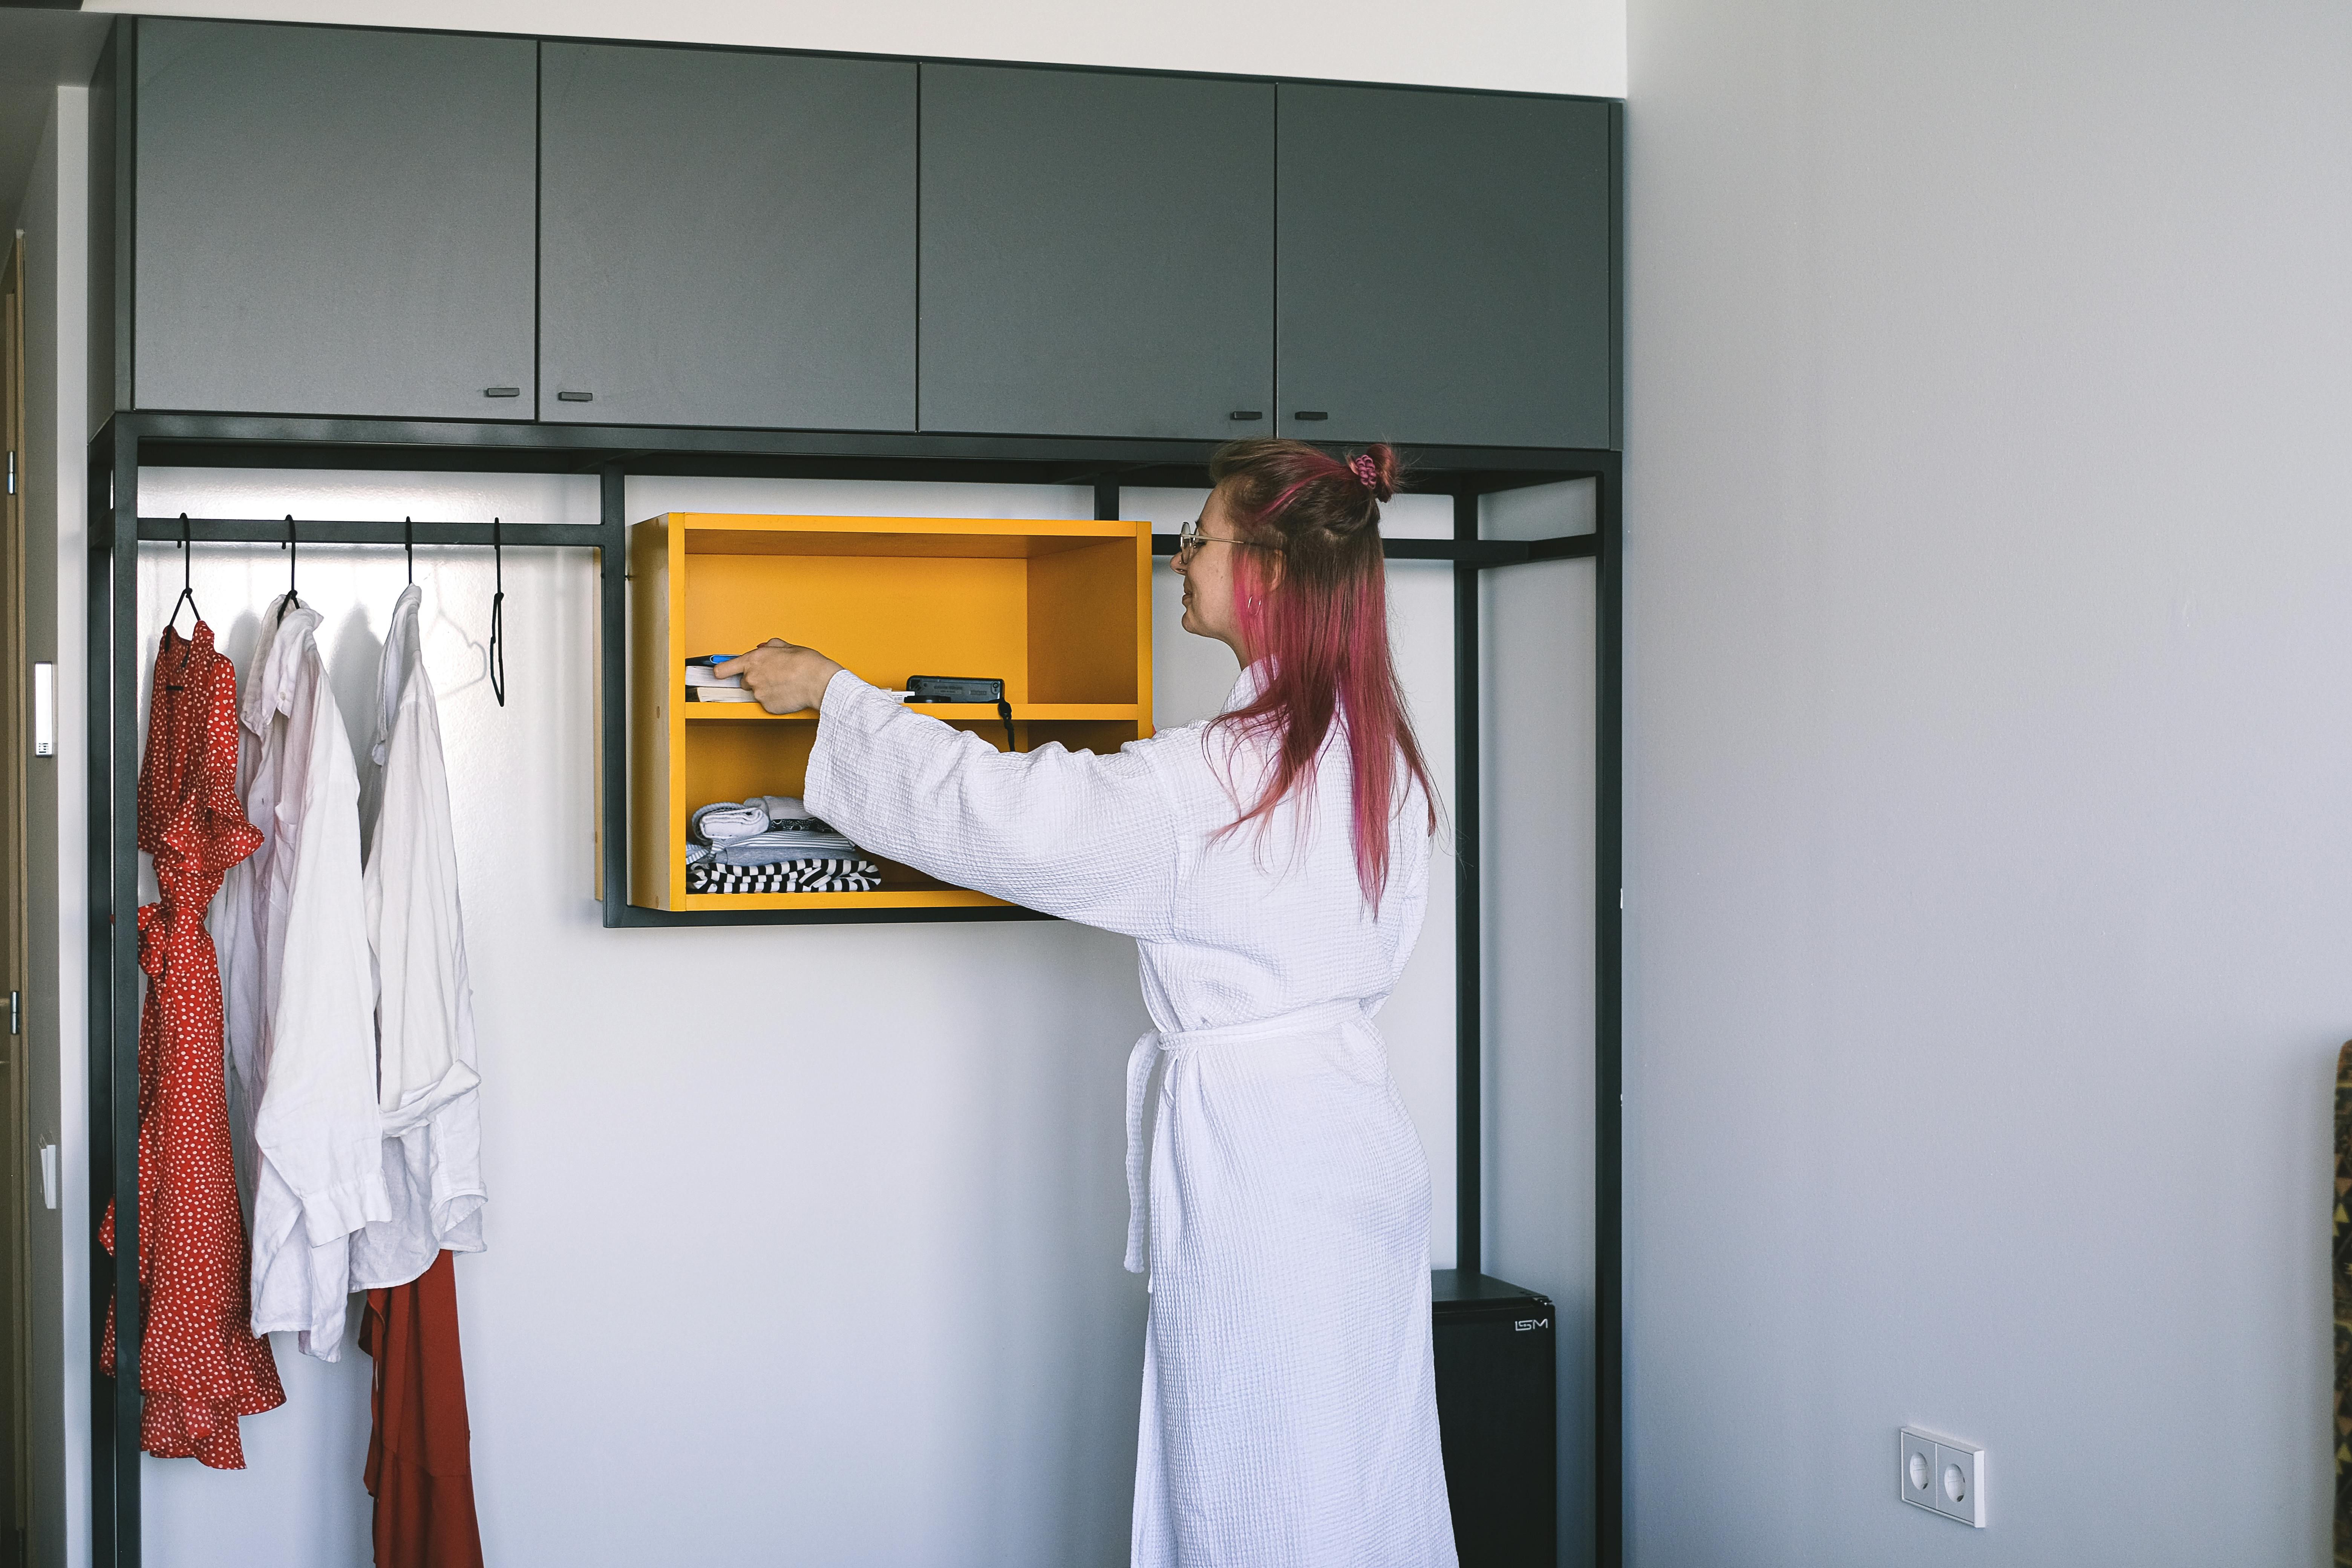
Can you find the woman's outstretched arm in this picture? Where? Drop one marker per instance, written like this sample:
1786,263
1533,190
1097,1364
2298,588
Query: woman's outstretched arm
1086,837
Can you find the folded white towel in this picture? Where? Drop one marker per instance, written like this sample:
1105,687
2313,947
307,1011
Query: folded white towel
781,808
724,821
786,844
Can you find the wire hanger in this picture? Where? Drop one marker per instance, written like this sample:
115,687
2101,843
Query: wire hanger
497,615
187,581
408,543
293,550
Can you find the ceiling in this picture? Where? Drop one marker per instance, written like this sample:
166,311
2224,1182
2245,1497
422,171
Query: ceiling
38,49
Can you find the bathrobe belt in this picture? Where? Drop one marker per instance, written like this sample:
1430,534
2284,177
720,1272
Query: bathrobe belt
1322,1018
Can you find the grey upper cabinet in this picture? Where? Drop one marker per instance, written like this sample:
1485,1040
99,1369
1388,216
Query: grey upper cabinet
333,222
727,239
1445,271
1097,253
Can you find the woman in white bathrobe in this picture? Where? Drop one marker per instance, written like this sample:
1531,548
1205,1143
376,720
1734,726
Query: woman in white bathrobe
1273,877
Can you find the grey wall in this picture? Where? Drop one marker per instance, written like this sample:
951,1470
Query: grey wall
1990,783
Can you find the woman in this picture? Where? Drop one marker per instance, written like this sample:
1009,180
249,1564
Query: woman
1272,864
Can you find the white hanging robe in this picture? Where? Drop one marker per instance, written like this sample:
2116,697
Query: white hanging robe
427,1080
1289,1406
295,967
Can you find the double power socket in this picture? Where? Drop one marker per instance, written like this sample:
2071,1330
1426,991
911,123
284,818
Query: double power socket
1943,1475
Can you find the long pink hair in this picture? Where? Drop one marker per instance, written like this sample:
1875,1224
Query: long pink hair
1315,618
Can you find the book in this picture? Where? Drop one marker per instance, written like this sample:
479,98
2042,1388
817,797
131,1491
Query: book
703,675
717,694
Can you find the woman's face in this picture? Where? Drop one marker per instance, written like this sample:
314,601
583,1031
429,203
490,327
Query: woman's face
1209,579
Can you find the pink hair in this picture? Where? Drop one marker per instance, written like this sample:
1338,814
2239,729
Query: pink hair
1315,619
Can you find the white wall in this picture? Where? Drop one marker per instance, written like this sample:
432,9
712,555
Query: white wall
1536,726
1527,46
812,1233
1990,587
54,220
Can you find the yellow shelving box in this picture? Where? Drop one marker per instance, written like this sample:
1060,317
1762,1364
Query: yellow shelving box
1060,610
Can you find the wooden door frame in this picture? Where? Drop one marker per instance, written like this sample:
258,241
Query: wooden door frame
16,1143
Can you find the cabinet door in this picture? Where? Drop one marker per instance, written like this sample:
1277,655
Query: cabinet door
1097,253
333,222
727,239
1444,267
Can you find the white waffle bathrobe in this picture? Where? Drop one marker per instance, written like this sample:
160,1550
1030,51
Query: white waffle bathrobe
1289,1410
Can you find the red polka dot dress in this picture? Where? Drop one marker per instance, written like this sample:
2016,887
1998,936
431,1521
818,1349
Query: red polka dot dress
200,1365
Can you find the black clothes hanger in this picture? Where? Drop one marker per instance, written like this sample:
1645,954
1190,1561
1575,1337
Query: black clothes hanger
187,582
408,543
293,549
497,615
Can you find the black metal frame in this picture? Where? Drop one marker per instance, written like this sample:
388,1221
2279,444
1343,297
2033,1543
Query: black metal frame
131,441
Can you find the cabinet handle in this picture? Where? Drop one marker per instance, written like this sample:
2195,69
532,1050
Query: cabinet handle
502,392
576,397
1310,414
1247,413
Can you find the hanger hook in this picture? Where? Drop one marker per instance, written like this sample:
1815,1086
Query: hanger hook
188,579
408,543
498,613
293,551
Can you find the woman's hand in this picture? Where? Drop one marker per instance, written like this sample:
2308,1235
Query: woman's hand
785,679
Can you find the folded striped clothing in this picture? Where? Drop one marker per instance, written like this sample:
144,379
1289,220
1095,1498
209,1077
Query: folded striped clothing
831,873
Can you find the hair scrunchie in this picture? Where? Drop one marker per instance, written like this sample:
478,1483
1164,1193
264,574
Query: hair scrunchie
1367,473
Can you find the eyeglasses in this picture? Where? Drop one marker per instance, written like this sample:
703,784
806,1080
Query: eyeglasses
1188,540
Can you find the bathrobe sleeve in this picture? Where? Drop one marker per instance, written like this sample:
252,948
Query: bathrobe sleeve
1090,838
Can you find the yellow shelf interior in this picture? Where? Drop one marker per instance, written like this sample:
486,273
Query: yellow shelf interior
1058,609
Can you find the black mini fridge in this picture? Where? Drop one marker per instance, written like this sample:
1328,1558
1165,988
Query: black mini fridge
1495,1350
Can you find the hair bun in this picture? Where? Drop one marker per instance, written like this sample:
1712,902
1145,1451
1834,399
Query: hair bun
1376,469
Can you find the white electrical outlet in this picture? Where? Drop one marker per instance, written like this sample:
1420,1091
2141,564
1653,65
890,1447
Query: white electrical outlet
1942,1475
1919,1476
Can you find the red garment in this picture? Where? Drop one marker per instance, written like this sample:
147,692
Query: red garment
420,1467
199,1363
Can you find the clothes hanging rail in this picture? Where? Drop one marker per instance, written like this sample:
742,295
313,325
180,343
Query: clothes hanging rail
1473,553
272,530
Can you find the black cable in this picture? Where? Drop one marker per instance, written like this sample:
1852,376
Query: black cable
498,615
408,543
1004,712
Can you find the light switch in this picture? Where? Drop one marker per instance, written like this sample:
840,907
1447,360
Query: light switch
44,710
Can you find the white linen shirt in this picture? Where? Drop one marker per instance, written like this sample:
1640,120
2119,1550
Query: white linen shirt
426,1078
294,962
